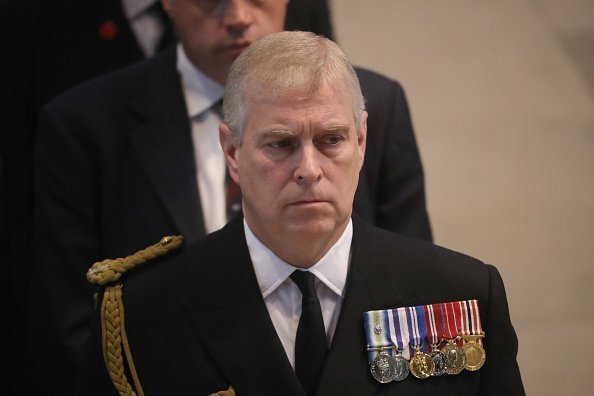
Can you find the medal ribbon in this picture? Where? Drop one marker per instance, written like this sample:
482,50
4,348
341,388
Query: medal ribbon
404,333
407,327
422,322
463,316
414,330
458,320
395,322
451,332
376,339
440,322
472,310
433,333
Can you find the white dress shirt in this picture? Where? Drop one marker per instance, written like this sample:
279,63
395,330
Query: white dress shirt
283,297
146,24
201,93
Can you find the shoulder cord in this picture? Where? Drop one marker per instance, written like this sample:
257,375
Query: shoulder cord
113,331
107,271
113,334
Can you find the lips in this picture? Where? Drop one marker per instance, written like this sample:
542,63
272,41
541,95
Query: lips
237,47
308,203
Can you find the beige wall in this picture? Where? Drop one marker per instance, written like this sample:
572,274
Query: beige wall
504,117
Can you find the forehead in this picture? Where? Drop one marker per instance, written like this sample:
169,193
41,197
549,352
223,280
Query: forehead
329,103
217,8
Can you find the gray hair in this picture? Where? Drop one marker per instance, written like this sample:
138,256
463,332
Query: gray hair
287,63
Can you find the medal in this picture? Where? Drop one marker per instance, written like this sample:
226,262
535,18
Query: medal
383,368
382,364
421,364
472,333
475,353
440,363
435,325
455,357
402,367
397,336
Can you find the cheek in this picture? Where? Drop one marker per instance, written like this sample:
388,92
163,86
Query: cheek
271,21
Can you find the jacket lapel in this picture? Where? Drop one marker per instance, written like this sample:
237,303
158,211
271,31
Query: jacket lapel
348,357
234,324
161,139
367,289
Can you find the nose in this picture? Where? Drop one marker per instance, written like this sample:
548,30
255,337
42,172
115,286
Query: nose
238,15
308,169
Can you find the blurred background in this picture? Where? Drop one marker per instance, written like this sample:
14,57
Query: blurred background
502,100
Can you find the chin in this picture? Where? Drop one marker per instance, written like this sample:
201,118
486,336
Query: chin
313,228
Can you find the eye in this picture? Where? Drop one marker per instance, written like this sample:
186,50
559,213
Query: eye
280,144
334,140
331,140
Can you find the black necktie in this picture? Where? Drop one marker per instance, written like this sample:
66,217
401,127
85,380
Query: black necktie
311,345
168,36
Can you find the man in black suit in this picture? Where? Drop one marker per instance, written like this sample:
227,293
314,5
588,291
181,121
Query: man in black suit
117,165
229,311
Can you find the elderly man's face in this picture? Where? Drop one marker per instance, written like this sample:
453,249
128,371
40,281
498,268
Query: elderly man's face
298,165
214,32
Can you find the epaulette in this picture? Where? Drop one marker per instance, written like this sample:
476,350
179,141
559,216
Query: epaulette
109,270
113,332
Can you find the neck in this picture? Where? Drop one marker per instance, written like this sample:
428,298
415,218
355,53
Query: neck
298,250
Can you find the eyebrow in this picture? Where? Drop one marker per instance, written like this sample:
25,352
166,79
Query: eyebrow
337,128
278,132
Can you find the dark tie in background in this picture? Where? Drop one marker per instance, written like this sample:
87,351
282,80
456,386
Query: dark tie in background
168,36
232,190
311,345
233,196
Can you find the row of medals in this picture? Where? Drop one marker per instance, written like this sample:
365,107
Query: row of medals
450,359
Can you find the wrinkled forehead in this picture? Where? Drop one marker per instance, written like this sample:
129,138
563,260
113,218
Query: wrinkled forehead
273,92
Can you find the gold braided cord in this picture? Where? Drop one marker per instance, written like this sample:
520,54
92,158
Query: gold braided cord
107,271
127,351
228,392
111,328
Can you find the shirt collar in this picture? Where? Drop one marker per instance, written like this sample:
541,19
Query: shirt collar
271,271
200,91
134,8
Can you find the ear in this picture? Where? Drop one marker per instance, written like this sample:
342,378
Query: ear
362,138
229,150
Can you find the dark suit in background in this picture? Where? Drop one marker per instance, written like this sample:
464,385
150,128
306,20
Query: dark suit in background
9,330
47,47
311,16
197,323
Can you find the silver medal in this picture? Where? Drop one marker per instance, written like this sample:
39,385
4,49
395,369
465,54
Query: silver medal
383,368
439,362
401,368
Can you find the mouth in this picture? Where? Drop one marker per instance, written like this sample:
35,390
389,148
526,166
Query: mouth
236,47
309,203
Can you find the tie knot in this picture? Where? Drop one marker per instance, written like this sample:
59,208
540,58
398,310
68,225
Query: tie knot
305,282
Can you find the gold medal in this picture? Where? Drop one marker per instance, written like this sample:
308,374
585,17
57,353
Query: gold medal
421,364
475,353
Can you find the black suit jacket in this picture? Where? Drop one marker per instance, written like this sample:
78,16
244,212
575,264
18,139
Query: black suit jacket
197,322
115,171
